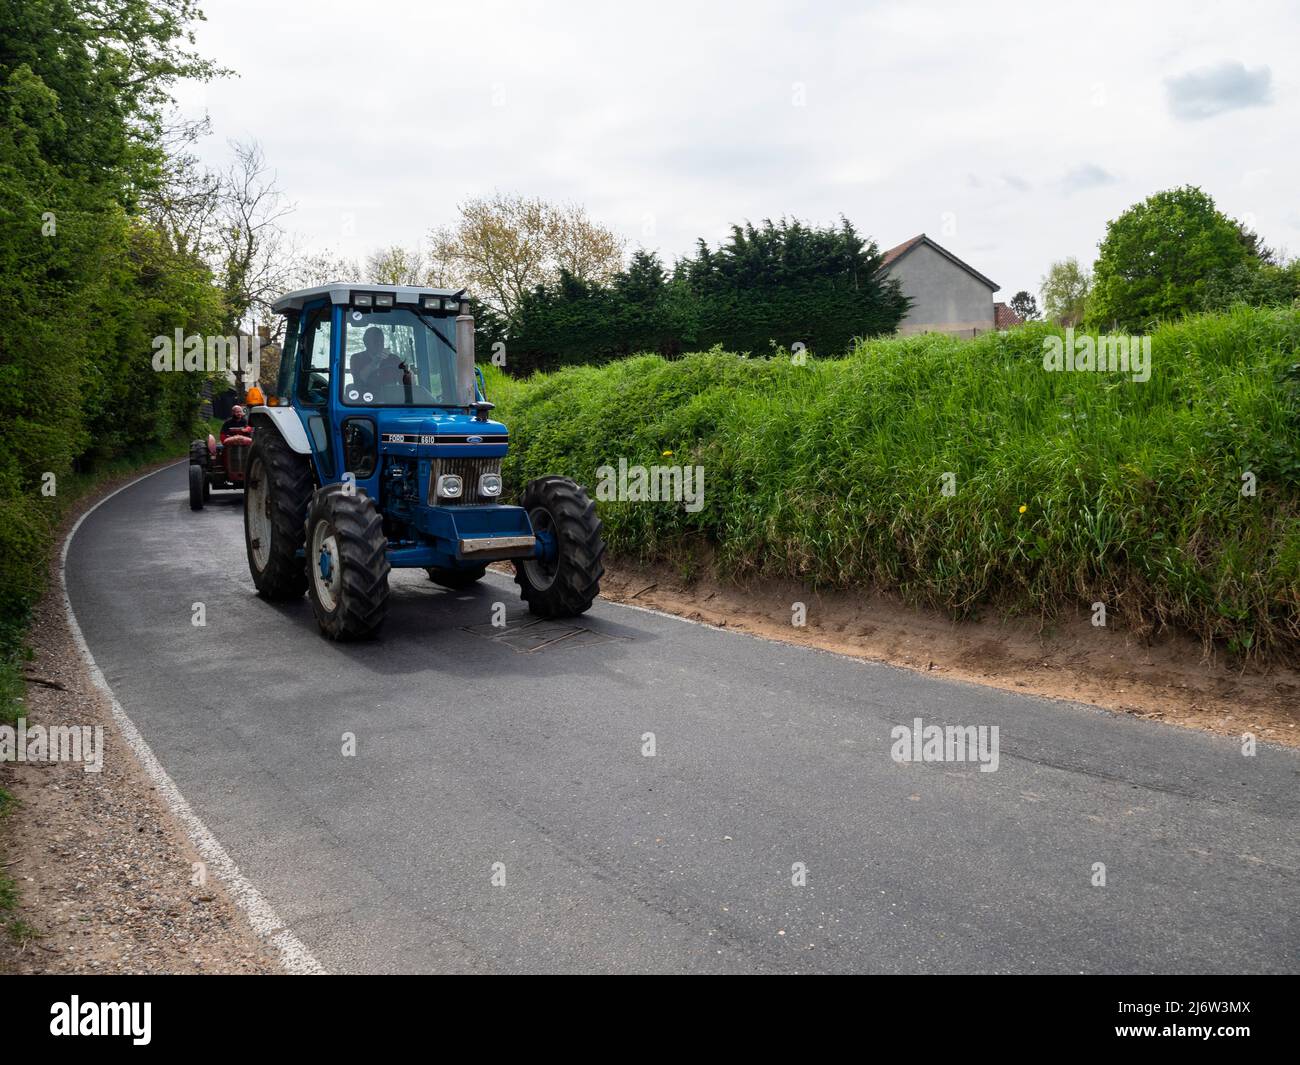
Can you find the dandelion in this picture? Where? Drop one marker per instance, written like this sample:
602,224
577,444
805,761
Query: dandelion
1023,508
668,454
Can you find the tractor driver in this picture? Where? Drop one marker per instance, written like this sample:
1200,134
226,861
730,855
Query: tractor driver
238,420
374,366
371,360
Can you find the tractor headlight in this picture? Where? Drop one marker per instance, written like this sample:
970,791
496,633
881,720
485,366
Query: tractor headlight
489,484
450,486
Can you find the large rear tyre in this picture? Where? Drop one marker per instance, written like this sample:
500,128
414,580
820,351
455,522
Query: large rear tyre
347,564
277,493
567,584
198,487
456,579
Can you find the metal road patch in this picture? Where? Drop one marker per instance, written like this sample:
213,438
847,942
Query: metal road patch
527,634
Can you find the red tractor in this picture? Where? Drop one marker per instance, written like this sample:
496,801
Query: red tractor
219,463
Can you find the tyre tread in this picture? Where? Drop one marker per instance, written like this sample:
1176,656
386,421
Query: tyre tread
290,474
582,549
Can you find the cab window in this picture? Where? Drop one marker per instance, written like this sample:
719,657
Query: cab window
314,371
397,357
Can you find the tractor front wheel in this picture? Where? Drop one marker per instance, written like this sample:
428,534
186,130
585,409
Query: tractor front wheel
456,579
567,581
347,564
277,492
198,487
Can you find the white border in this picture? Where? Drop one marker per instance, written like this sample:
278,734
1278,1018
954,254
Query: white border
294,955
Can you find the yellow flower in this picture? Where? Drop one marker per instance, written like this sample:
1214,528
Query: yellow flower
668,454
1023,508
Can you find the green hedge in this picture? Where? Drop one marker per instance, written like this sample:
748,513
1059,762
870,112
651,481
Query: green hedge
779,283
832,471
90,275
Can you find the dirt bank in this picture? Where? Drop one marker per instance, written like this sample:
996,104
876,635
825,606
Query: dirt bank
1167,678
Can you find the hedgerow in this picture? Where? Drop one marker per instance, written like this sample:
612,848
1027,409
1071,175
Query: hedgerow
1067,487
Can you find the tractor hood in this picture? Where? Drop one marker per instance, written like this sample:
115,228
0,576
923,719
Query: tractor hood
449,433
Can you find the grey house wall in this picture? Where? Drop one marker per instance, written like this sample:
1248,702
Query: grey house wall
945,298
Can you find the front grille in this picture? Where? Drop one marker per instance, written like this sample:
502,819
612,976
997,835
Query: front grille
469,471
237,459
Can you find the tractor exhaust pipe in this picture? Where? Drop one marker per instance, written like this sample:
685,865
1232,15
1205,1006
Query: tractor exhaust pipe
465,380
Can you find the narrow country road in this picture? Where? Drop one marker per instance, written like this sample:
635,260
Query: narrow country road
475,746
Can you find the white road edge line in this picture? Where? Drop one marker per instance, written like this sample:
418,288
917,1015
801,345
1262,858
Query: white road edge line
294,955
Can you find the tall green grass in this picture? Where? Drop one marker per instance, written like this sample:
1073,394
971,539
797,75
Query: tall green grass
832,471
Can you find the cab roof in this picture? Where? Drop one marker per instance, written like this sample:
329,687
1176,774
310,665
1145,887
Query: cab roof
341,292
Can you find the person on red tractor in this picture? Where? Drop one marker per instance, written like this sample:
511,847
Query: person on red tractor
236,423
235,427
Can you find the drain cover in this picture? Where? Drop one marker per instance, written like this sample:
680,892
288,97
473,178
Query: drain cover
528,634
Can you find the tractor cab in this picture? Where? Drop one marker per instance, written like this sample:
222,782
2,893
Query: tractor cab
380,413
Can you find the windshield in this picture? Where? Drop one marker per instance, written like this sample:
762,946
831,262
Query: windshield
398,358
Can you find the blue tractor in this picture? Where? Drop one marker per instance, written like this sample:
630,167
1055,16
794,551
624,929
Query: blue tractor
378,449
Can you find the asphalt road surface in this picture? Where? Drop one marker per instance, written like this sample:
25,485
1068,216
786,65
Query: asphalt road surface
476,745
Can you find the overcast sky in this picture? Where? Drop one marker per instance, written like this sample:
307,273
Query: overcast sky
1009,132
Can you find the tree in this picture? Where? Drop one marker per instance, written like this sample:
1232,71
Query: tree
91,272
184,200
1254,244
1024,305
788,282
1256,284
504,246
1065,292
396,265
582,248
1157,257
256,253
780,284
320,268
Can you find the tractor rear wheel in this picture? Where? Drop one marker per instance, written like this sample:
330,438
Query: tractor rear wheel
456,579
198,486
347,564
566,584
277,493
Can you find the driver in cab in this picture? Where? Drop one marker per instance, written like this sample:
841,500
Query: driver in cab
374,366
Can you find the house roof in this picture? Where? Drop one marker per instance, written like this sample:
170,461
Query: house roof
1004,317
900,251
896,253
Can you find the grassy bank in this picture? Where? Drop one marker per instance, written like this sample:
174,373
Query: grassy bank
1069,487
